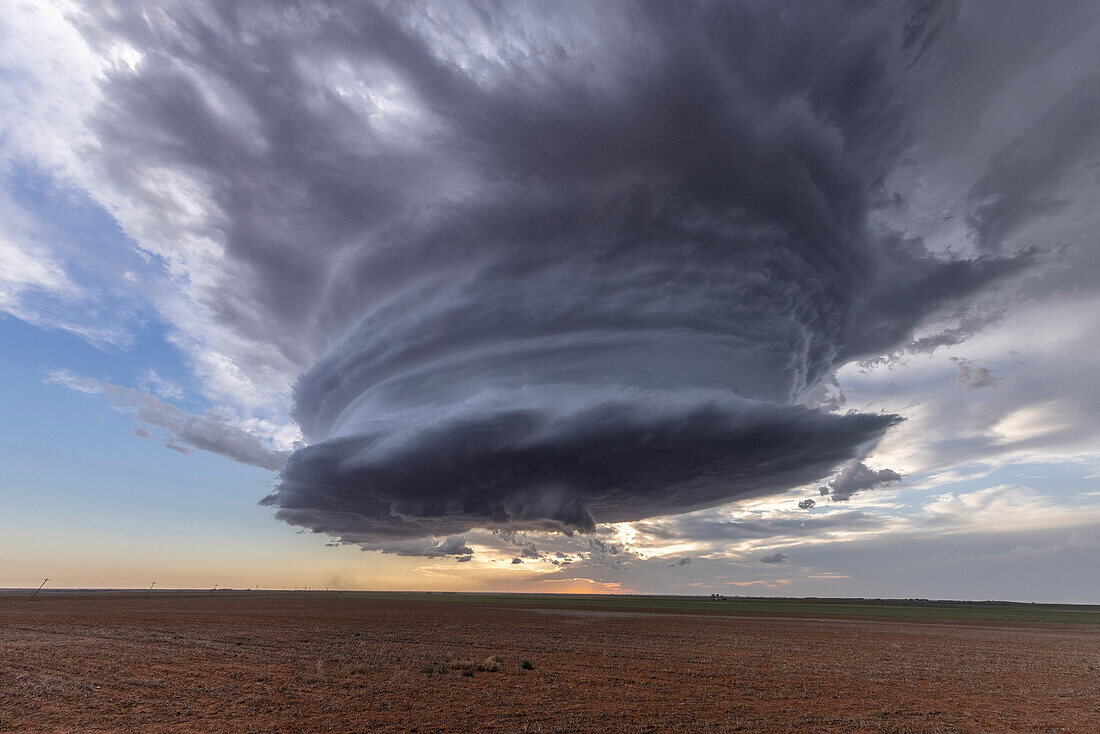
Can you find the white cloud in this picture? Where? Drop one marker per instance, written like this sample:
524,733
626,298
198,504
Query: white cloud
25,267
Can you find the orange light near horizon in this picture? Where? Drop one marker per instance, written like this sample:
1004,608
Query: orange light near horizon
574,586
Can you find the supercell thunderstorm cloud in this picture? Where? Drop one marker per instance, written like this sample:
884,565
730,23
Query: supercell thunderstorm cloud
539,266
580,270
593,278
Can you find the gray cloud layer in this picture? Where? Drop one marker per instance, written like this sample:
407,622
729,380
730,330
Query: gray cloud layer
522,469
546,265
856,477
701,527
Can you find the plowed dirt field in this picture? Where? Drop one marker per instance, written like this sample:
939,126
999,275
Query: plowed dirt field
270,662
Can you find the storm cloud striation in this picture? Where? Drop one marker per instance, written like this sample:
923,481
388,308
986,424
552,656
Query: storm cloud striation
545,266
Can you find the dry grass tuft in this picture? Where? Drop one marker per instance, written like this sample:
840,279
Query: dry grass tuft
489,665
466,666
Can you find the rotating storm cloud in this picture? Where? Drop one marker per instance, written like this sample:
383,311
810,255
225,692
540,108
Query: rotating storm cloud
646,256
535,266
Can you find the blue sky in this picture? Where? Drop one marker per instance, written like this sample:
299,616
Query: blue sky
552,298
91,504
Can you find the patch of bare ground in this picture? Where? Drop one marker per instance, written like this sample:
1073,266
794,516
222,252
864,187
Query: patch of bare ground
338,663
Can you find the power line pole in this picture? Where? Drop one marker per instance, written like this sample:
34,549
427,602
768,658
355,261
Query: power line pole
38,589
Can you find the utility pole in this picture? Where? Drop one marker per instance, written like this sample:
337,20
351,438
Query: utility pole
38,589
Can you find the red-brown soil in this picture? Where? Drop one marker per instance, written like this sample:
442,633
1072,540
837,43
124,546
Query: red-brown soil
340,663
